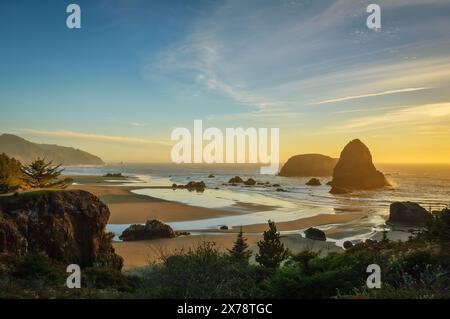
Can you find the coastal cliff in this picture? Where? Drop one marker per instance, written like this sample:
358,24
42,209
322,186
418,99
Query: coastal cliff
68,226
26,152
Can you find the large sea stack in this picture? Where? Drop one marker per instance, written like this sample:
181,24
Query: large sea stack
68,226
308,165
355,170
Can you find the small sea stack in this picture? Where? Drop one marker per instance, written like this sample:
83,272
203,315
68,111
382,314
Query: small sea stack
313,182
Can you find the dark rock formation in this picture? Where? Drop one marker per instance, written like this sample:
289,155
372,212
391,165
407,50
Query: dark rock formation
68,226
315,234
250,182
408,214
308,165
152,229
236,180
355,170
196,186
191,186
224,227
211,176
347,244
281,190
313,182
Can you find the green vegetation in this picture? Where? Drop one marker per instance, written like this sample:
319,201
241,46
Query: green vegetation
10,174
418,268
271,249
240,250
42,174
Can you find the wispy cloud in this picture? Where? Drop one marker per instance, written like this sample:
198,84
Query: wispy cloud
409,116
97,137
259,114
137,124
362,96
289,56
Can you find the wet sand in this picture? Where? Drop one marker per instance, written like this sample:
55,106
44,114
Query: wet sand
128,208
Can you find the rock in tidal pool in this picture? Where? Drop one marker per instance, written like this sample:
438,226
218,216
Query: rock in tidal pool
153,229
313,182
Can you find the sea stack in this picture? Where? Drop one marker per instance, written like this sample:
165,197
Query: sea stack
355,170
308,165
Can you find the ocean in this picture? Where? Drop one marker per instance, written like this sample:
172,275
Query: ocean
428,185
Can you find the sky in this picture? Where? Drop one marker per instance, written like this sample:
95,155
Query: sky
137,69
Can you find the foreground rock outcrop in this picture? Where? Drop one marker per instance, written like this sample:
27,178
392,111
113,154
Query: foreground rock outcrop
355,170
68,226
153,229
408,214
308,165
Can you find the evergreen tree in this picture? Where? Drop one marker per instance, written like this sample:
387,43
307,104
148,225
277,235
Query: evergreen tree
271,249
240,250
10,174
42,174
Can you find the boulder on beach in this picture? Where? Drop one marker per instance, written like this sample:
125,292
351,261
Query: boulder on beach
224,227
348,244
315,234
153,229
313,182
236,180
250,182
308,165
408,214
355,170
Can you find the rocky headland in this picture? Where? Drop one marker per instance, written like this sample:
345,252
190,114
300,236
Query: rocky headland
67,226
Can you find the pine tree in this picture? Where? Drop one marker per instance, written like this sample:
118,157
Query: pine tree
10,174
42,174
240,250
271,249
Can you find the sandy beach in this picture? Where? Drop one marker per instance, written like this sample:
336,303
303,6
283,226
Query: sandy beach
129,208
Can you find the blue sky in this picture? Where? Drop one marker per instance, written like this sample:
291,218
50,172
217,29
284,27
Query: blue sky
137,69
